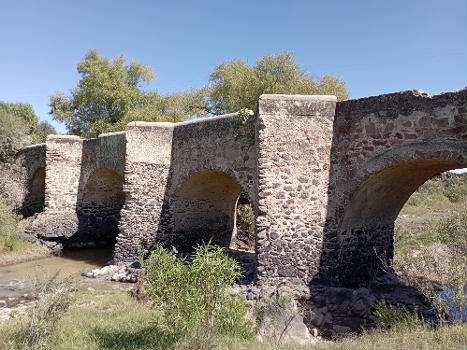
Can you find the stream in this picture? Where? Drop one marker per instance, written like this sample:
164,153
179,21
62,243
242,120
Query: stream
19,279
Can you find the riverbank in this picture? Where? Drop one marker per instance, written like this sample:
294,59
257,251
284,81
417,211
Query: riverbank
104,319
23,278
29,253
13,249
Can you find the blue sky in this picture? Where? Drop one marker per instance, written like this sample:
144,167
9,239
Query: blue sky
374,46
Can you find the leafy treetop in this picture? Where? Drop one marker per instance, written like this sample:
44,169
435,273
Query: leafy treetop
19,127
109,94
234,84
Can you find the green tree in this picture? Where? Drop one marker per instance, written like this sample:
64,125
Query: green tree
157,108
107,91
14,134
234,84
109,94
24,112
41,131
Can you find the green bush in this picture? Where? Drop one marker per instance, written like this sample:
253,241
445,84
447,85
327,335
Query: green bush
14,134
396,316
440,191
192,295
230,318
245,225
452,231
246,218
454,193
10,224
35,329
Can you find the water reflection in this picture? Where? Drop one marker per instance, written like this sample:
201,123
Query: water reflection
456,312
18,279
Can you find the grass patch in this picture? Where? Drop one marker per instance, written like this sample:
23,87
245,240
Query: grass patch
114,320
419,338
10,225
443,193
406,241
431,231
13,249
96,320
431,241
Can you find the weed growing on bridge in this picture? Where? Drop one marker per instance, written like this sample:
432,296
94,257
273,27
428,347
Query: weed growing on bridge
246,116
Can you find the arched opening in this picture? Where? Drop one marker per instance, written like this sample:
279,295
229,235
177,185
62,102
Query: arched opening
34,200
243,236
210,206
430,240
204,209
367,230
99,208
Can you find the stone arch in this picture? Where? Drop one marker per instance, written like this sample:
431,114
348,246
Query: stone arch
366,232
99,207
204,208
35,197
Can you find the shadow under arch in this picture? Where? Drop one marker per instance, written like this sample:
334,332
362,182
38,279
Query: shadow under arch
366,230
204,209
33,202
98,209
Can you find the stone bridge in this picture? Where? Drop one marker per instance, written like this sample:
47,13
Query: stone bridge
326,180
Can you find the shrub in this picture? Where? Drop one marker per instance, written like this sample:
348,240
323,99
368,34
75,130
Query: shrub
230,319
452,231
38,325
192,295
14,134
396,316
10,224
246,219
245,226
442,191
452,234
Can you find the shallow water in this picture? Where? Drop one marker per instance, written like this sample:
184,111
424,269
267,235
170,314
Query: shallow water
456,313
19,279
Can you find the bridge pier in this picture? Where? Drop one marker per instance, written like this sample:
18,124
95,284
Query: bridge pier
58,221
145,216
294,136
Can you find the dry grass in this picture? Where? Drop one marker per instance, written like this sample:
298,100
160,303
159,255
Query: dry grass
114,320
13,249
27,252
430,234
421,338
